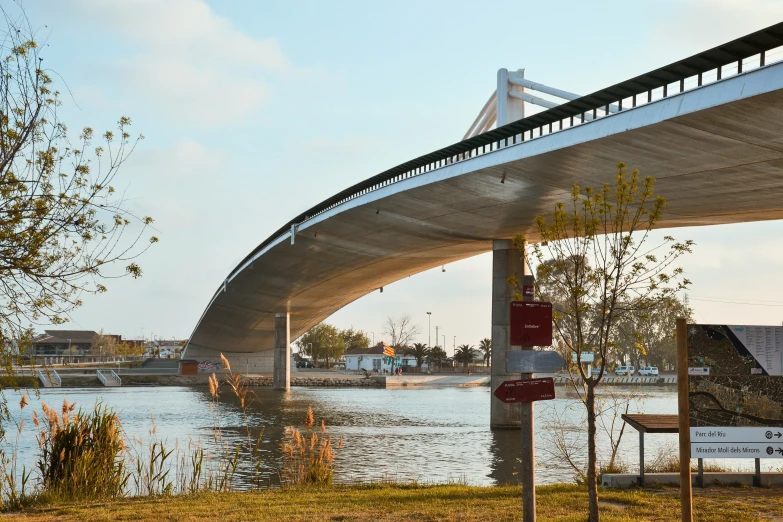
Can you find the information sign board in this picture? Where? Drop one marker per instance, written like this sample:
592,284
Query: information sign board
584,357
529,361
735,391
531,323
526,390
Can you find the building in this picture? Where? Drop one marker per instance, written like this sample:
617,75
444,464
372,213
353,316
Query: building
371,359
64,342
75,342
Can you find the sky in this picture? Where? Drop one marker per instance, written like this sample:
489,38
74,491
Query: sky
253,112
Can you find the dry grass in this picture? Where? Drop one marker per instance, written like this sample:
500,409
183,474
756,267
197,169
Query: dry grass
436,503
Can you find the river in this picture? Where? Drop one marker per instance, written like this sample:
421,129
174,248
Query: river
427,435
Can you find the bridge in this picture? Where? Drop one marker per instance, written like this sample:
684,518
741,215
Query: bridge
709,128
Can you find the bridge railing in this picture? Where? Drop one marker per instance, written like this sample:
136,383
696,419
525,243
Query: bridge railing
741,55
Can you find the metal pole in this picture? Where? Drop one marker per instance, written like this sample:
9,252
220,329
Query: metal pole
683,403
527,424
700,472
429,330
641,459
757,476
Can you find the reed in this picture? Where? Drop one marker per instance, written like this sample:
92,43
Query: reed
308,458
82,455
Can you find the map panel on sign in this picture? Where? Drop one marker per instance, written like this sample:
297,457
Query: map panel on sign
764,343
735,377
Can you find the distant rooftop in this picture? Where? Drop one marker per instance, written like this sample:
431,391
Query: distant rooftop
66,336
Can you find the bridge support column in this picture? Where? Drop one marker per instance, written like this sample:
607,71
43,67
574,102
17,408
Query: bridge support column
281,376
506,261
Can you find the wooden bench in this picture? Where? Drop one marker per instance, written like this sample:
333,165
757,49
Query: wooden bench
644,423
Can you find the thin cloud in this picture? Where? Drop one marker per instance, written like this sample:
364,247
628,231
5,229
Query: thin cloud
194,65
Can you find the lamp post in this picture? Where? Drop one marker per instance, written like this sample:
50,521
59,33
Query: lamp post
454,347
444,342
70,356
429,330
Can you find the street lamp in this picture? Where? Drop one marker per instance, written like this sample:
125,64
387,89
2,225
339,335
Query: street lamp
455,344
444,342
429,330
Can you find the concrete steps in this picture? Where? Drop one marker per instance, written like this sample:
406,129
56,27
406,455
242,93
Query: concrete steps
109,378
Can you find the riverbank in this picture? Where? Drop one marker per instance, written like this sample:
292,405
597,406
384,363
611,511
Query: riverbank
317,378
400,502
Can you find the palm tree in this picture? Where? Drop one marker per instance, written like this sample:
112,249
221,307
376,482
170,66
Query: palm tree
485,345
465,354
420,352
435,355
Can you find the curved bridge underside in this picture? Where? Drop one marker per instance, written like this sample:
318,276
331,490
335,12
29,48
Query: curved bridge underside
716,151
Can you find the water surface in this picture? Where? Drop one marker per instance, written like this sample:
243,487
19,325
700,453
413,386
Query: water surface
428,435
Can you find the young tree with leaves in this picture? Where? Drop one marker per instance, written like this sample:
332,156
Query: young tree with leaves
322,342
597,253
354,339
64,229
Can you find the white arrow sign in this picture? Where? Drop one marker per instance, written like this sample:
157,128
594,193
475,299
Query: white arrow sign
719,434
736,450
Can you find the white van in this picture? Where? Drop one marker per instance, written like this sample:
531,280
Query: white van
624,370
648,371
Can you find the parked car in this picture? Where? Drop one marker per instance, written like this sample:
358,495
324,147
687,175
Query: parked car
596,370
624,370
648,371
305,364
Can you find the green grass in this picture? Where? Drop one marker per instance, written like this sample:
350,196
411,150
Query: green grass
419,503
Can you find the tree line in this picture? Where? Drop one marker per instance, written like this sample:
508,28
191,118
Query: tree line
325,343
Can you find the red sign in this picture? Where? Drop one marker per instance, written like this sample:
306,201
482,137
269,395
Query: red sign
531,323
526,390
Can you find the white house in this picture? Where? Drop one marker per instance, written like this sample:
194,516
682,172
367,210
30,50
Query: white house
371,359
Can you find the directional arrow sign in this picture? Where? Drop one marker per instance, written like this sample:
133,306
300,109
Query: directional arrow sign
736,450
528,361
721,434
526,390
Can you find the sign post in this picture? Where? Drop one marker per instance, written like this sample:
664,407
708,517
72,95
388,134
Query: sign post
528,471
683,403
